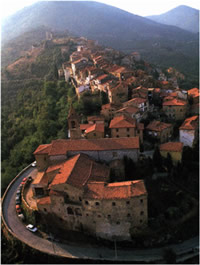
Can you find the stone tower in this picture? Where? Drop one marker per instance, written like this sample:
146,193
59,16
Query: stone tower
73,124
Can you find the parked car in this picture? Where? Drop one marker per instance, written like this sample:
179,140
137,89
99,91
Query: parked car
18,209
18,192
24,179
31,228
17,201
21,216
34,164
30,178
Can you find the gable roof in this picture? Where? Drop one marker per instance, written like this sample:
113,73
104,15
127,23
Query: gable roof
118,190
158,126
194,92
172,147
122,122
190,123
98,127
129,109
77,170
43,149
175,102
61,147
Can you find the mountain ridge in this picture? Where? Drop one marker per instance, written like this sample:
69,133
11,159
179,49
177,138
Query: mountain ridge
182,16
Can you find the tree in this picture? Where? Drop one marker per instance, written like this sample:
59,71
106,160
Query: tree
157,158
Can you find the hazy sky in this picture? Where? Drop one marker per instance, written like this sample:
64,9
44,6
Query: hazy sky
137,7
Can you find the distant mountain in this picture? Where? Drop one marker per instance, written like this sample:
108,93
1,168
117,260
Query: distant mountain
184,17
157,43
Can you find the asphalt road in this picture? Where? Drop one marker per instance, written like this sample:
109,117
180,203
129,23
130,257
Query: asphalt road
82,251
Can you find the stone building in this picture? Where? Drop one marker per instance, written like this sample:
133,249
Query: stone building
160,131
105,150
175,108
125,126
188,131
175,149
74,131
82,199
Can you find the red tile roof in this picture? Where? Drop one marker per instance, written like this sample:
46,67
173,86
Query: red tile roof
77,170
98,127
44,200
122,122
136,101
172,147
95,118
61,147
119,190
43,149
108,106
84,126
190,123
129,109
194,92
101,77
175,102
158,126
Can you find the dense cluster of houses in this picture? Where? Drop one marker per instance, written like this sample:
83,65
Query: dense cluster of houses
73,180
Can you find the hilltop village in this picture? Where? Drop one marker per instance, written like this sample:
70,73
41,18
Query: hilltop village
81,181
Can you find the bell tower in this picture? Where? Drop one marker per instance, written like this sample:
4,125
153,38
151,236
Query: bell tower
73,124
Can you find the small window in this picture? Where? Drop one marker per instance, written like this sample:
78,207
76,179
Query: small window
87,214
140,221
94,134
128,202
113,203
118,223
117,130
97,203
45,209
127,129
128,135
128,215
73,124
141,200
109,216
141,213
117,136
70,211
80,199
99,216
86,202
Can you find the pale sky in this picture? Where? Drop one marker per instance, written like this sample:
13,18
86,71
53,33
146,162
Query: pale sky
137,7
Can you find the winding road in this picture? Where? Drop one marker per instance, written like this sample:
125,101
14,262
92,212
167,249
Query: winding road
77,251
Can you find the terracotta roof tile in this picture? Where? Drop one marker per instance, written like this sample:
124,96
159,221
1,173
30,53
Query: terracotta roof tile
95,118
172,147
194,92
77,170
136,101
122,122
129,109
190,123
84,126
44,200
43,149
61,147
119,190
108,106
175,102
158,126
98,127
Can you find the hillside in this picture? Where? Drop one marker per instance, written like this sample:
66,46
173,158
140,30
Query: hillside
184,17
157,43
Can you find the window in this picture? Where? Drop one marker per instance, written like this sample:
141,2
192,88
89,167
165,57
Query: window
140,221
128,215
117,136
73,124
118,223
117,130
141,200
78,212
128,135
109,216
94,134
127,129
141,213
128,202
70,211
99,216
113,203
114,154
80,199
86,202
45,209
87,214
97,203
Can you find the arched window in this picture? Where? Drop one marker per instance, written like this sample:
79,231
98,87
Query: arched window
73,124
70,211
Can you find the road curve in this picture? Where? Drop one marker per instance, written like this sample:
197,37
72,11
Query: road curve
80,251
